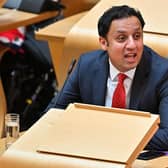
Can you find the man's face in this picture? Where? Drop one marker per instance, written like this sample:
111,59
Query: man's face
124,43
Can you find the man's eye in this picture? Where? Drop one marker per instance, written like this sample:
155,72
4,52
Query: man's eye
121,38
137,36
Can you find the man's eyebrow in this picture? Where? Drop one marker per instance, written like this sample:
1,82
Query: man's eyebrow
120,31
138,29
123,31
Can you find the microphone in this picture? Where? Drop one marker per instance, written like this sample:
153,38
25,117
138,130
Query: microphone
71,67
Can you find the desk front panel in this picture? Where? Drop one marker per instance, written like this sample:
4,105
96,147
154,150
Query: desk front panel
23,153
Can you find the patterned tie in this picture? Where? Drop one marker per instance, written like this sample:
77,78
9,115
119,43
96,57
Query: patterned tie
119,96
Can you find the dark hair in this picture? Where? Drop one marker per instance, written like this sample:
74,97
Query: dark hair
116,12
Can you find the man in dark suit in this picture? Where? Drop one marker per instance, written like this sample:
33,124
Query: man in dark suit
95,78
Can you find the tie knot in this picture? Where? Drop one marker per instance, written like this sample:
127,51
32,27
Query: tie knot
121,77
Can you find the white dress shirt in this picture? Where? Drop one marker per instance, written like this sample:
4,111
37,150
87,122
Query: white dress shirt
112,83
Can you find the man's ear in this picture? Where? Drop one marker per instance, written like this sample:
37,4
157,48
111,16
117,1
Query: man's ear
103,42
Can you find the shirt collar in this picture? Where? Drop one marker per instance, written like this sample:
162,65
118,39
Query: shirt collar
114,72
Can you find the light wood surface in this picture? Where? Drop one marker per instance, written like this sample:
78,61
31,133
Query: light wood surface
23,153
10,19
3,109
96,132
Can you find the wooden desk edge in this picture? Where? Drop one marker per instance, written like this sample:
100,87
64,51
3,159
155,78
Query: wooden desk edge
35,18
2,144
61,28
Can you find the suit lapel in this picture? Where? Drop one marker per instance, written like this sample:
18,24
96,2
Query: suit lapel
100,80
140,80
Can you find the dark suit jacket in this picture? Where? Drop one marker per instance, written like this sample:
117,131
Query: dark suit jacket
88,83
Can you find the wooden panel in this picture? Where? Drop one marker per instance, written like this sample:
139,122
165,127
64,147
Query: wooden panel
3,109
101,133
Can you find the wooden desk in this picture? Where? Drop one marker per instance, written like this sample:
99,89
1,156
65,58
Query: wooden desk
55,34
10,19
23,152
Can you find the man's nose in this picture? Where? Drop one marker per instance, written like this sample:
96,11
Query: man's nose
131,43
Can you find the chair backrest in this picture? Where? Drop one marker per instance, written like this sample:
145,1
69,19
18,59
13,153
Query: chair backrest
12,4
84,37
157,42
